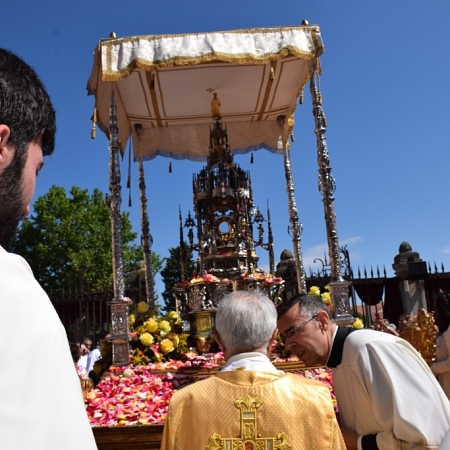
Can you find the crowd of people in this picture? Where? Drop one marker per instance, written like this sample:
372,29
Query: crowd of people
388,397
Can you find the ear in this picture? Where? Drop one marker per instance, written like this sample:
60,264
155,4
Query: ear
218,339
324,320
6,151
272,339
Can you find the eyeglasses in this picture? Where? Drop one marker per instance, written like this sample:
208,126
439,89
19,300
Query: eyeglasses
293,331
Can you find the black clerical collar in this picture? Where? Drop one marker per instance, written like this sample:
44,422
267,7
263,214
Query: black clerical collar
338,346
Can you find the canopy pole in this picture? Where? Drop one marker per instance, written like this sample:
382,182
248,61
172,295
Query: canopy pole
118,305
327,186
146,238
296,227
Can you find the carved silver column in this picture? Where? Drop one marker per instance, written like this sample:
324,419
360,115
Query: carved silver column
327,186
296,226
119,306
146,238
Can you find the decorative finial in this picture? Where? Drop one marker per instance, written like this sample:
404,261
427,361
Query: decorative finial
305,22
112,35
215,106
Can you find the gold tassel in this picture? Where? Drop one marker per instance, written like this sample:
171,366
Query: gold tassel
170,167
152,82
272,74
94,121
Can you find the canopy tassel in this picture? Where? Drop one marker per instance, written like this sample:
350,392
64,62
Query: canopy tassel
129,174
170,167
251,158
292,137
272,74
94,122
301,98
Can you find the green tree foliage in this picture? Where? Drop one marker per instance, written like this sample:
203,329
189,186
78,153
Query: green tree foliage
67,240
171,274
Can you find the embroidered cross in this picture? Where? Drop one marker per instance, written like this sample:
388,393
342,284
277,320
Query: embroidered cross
249,439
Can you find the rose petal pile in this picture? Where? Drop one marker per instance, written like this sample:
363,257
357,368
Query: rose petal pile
139,395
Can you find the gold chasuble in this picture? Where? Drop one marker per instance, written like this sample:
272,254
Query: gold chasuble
250,410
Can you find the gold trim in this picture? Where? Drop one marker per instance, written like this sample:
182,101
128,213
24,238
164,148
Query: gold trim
242,58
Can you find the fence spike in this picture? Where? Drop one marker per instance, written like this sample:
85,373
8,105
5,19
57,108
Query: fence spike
384,271
442,267
429,267
378,271
371,272
435,267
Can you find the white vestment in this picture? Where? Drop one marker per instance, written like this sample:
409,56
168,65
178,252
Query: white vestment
384,387
41,403
442,365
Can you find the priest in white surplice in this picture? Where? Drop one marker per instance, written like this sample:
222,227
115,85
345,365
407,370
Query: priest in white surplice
386,394
41,404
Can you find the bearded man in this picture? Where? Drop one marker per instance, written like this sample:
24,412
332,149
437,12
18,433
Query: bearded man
41,404
250,404
386,394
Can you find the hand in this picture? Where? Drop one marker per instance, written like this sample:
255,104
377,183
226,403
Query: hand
350,439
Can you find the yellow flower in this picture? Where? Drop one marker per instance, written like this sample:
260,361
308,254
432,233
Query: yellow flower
314,290
175,341
132,319
358,323
142,307
326,298
173,315
146,339
166,346
151,325
164,326
327,287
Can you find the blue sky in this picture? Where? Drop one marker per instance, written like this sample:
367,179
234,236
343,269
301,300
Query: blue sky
385,93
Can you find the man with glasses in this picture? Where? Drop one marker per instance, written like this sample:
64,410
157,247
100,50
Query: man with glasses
386,394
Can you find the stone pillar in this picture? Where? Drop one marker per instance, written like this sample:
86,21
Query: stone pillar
410,285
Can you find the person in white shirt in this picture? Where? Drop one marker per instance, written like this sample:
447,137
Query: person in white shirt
41,403
387,396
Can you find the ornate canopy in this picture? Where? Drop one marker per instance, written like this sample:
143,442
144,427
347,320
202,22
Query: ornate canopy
166,85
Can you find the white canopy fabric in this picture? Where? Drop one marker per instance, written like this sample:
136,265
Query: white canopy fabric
166,84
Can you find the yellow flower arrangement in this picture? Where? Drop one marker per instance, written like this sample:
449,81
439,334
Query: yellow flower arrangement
132,319
151,325
146,339
175,341
173,315
143,307
314,290
358,323
164,325
166,346
326,298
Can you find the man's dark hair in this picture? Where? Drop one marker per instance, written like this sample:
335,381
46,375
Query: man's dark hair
442,311
309,305
75,351
102,334
25,106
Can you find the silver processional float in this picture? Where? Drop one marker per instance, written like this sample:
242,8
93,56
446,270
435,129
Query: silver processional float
207,97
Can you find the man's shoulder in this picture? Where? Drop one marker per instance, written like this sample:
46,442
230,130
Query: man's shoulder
13,261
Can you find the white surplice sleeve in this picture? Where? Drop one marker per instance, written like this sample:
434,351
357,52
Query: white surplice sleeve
443,366
407,401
